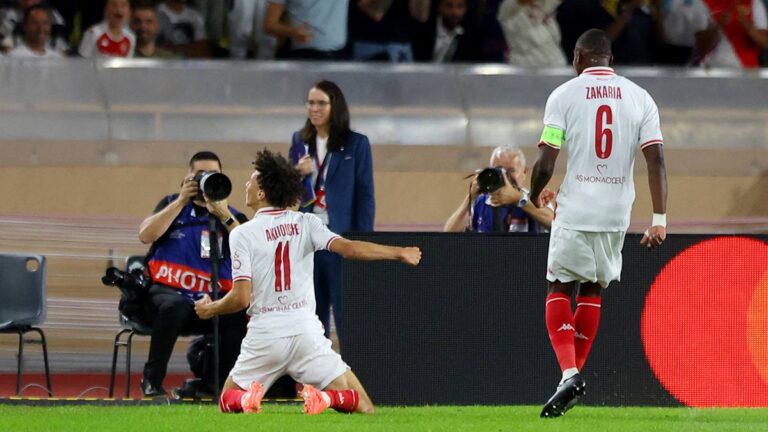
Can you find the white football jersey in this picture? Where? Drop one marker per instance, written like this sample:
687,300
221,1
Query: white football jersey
605,118
275,251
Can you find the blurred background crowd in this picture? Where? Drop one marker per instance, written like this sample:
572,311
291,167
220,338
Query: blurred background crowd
526,33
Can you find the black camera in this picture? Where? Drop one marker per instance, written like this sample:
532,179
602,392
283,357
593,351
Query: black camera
214,184
132,285
490,179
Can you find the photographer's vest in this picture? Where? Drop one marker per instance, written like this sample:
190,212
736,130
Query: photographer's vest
514,219
176,259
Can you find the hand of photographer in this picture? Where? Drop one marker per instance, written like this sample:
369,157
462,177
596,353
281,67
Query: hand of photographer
204,307
219,209
188,189
506,195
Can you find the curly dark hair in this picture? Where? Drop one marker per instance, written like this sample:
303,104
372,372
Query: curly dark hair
278,178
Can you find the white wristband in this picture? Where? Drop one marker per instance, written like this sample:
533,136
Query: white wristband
659,220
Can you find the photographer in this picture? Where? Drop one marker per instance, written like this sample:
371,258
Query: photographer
505,209
180,269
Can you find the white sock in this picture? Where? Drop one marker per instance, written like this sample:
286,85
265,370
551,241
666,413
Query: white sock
568,373
326,398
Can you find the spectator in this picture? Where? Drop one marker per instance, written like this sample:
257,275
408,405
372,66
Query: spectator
215,14
246,28
505,210
273,276
532,33
111,37
630,24
445,37
145,25
178,232
383,30
577,16
742,28
687,32
37,32
315,29
11,27
337,170
182,29
482,17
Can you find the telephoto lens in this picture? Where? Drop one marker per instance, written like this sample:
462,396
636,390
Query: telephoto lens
215,185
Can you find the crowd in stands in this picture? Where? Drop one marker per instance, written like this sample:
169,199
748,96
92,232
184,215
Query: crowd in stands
526,33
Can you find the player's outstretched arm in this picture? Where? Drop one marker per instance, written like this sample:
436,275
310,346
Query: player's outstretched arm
236,299
657,181
362,250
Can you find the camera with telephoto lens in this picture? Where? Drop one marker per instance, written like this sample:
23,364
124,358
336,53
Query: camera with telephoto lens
490,179
132,285
215,185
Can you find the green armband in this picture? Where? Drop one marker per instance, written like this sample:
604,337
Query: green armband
553,136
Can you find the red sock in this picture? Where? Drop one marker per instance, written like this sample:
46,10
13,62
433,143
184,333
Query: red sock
559,321
229,402
343,400
586,320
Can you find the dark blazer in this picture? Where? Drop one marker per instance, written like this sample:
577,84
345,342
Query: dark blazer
467,46
348,184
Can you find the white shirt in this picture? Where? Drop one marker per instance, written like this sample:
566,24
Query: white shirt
181,28
321,146
443,40
532,33
23,51
275,251
682,19
595,109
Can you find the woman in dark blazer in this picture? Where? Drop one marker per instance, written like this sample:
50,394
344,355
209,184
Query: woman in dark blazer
338,184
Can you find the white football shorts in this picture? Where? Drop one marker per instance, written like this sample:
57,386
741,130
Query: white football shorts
308,358
584,256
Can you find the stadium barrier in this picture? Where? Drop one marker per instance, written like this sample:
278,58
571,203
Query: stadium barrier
685,326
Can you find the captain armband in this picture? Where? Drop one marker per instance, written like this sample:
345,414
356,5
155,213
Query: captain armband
553,136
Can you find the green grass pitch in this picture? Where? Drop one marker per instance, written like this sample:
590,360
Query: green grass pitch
188,418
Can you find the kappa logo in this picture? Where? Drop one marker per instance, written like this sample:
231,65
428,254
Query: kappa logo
580,336
566,327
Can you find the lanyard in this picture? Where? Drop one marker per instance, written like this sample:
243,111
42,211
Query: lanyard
320,181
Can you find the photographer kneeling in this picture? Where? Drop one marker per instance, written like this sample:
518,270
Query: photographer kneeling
497,203
180,268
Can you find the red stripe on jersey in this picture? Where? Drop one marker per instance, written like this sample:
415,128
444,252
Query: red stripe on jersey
602,71
279,267
328,245
651,142
270,211
287,266
248,278
541,143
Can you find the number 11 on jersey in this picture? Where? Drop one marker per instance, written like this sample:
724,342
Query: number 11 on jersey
282,267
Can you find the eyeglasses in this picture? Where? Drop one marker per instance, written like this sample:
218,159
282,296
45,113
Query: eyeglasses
316,103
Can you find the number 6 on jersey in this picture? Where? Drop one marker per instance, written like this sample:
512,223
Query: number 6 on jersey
600,132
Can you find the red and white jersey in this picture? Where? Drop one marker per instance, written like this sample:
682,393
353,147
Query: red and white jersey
98,43
605,118
275,251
